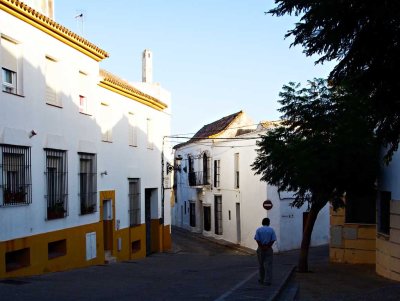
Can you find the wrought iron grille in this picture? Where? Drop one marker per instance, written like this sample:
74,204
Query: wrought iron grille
202,176
134,202
87,182
56,183
15,176
218,214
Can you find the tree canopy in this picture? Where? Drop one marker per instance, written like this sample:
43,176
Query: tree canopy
323,149
364,38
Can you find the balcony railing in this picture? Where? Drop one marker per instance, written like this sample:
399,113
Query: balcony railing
199,178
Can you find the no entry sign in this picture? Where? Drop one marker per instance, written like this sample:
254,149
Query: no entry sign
267,205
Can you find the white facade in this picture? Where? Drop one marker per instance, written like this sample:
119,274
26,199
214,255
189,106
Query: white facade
242,204
55,102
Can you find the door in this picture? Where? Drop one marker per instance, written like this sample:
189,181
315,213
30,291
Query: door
108,225
147,214
238,226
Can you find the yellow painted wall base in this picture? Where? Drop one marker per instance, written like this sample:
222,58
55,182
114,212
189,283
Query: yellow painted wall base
351,243
38,246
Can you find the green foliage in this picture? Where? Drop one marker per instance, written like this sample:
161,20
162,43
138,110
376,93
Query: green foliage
323,148
364,38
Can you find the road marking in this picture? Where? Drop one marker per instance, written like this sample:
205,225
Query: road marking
227,293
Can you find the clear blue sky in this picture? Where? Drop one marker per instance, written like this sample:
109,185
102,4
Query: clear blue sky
216,57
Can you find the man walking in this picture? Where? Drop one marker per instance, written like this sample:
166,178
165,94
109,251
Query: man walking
265,237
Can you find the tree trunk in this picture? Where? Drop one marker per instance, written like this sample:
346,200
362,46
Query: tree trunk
305,243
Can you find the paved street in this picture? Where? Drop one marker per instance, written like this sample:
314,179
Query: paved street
195,270
206,269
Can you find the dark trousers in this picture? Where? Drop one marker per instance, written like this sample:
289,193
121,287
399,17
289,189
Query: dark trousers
265,264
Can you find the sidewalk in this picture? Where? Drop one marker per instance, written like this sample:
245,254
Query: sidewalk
325,281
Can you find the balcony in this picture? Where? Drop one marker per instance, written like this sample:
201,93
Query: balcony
198,178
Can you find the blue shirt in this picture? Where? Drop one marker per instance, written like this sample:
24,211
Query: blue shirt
265,235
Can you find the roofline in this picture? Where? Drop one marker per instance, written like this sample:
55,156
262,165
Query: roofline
222,131
114,84
27,14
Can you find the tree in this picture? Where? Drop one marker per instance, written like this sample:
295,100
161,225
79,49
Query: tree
364,38
323,149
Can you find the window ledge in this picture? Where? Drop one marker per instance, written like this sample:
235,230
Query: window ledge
54,105
383,236
15,94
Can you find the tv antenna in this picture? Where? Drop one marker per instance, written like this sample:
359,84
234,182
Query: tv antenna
80,20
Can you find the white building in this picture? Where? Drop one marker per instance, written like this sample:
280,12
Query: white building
80,151
217,193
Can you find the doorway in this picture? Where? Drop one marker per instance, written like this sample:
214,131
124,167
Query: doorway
108,224
151,219
238,226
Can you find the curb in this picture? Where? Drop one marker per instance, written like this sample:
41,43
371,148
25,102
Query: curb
286,279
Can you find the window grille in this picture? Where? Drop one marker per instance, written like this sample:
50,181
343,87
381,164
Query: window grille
56,183
236,170
192,209
15,176
88,182
218,214
217,164
134,202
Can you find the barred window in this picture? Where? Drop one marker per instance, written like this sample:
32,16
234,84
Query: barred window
15,176
87,182
217,164
192,209
56,183
218,214
134,201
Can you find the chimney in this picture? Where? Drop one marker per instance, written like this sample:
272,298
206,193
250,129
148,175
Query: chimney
147,66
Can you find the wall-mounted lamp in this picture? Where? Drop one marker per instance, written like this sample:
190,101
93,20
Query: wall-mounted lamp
104,173
32,133
177,167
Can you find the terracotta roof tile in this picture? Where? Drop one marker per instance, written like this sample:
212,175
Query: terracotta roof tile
110,80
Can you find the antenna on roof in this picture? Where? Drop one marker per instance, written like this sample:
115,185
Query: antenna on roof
80,22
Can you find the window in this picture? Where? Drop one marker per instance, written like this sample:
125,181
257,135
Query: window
192,209
236,166
217,164
106,127
87,182
361,208
384,199
191,174
218,214
56,249
18,259
9,81
57,183
207,218
134,201
52,83
83,93
15,176
11,65
132,130
150,141
206,171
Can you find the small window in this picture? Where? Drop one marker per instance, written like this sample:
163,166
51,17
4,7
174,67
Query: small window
57,183
132,130
384,212
88,182
52,84
217,164
192,209
15,175
236,166
83,93
57,248
218,214
11,65
134,202
207,218
150,138
16,260
9,81
136,246
106,125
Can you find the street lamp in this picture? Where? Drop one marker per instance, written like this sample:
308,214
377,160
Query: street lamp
177,166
